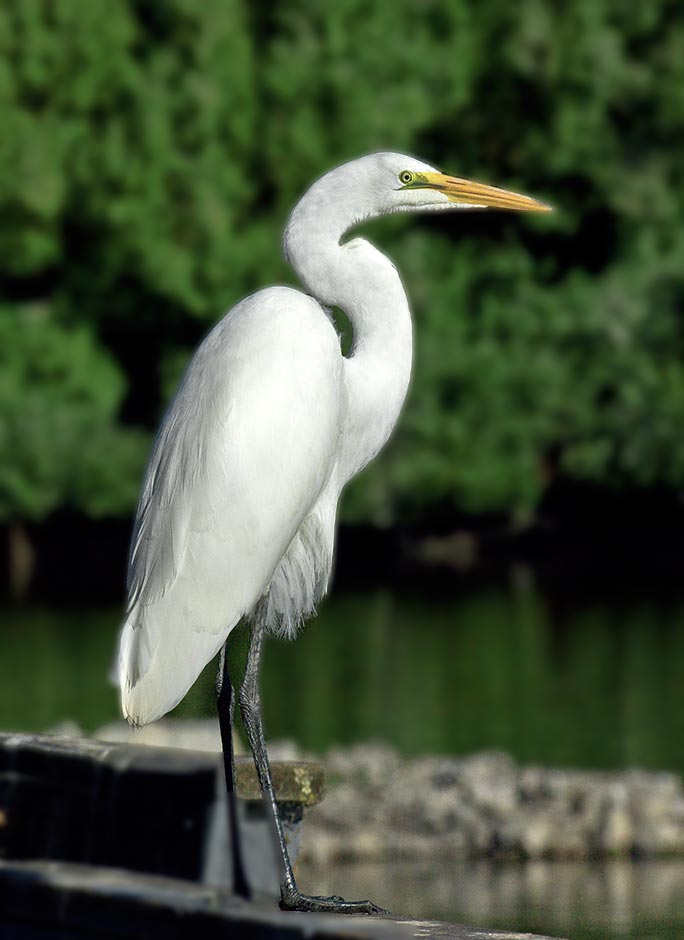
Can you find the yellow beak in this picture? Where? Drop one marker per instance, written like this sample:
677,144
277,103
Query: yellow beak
478,194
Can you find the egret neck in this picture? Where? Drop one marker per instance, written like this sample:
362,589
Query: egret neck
356,277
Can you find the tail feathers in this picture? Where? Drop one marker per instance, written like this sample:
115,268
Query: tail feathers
154,677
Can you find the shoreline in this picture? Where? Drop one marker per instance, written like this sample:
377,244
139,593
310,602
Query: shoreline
380,806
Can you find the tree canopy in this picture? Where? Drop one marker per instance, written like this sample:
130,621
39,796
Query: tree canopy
151,151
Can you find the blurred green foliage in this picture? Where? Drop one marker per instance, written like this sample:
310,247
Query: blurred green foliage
150,152
59,437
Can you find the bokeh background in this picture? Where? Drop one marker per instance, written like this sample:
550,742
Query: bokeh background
509,570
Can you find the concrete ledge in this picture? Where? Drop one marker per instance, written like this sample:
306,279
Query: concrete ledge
157,810
79,759
48,900
294,781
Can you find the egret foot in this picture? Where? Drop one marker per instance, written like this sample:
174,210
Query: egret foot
295,901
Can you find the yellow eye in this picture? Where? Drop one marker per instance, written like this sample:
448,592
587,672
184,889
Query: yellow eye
405,177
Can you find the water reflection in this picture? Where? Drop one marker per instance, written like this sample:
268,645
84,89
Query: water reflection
600,687
583,901
489,670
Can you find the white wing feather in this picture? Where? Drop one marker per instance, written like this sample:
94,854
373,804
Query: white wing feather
244,451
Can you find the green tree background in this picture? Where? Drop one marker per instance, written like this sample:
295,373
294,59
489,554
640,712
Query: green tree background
151,149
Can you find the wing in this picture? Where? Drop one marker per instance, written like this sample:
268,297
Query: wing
245,449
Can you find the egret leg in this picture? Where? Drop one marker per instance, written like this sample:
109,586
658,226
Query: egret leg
225,705
291,899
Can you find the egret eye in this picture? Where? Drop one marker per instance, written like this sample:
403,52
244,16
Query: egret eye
405,177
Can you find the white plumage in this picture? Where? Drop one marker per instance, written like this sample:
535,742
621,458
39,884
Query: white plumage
240,461
268,425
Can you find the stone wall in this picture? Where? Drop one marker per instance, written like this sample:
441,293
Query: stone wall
379,806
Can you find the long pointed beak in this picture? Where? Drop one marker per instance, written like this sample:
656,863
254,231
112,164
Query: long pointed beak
480,194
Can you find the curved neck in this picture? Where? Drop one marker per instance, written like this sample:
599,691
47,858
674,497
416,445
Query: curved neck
361,281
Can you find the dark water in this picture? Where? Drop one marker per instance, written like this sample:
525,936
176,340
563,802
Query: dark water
616,900
600,686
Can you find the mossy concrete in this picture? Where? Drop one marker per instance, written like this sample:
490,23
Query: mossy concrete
294,781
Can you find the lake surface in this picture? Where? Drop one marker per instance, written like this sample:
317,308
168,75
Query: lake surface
601,688
599,685
615,900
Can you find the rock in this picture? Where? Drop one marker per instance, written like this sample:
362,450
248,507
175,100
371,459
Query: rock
566,787
660,824
490,781
346,807
568,839
485,805
664,837
652,795
541,832
615,833
415,804
536,834
368,765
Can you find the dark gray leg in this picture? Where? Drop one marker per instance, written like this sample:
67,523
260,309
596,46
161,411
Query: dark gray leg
250,705
225,704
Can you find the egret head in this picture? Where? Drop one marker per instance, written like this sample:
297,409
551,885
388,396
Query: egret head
386,183
380,184
404,184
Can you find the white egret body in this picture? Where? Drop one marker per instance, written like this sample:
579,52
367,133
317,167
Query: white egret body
237,513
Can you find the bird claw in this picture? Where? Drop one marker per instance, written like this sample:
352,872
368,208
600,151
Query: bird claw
294,901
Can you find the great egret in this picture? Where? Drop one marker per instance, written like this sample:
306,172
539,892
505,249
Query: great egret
237,513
